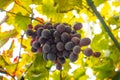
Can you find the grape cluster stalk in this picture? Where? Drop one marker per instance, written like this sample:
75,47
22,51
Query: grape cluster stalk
58,42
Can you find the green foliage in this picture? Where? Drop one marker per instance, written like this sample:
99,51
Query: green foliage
4,4
4,38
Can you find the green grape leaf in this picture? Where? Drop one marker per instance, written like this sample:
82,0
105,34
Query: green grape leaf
38,70
100,42
5,3
98,2
65,5
79,72
8,34
21,21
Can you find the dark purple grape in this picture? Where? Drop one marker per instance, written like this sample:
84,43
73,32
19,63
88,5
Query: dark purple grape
39,31
60,46
36,45
51,56
56,34
29,32
75,40
76,49
96,54
60,28
68,29
85,42
69,45
73,57
66,54
46,48
58,66
77,26
30,26
47,25
65,37
33,49
61,60
46,33
88,52
37,26
53,48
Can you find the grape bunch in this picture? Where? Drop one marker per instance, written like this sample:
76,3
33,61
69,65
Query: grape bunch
58,42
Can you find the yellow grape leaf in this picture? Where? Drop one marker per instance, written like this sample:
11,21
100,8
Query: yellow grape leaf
65,5
23,4
8,34
98,2
4,3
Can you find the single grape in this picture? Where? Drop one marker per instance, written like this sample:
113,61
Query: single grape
33,49
60,28
61,60
30,26
75,40
68,29
69,45
38,26
77,26
46,33
60,46
66,54
46,48
36,45
88,52
85,42
39,31
56,34
59,66
29,32
65,37
76,49
73,57
96,54
51,56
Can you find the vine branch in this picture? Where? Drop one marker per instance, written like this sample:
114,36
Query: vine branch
92,6
19,15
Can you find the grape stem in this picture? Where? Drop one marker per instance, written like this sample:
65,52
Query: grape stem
98,15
